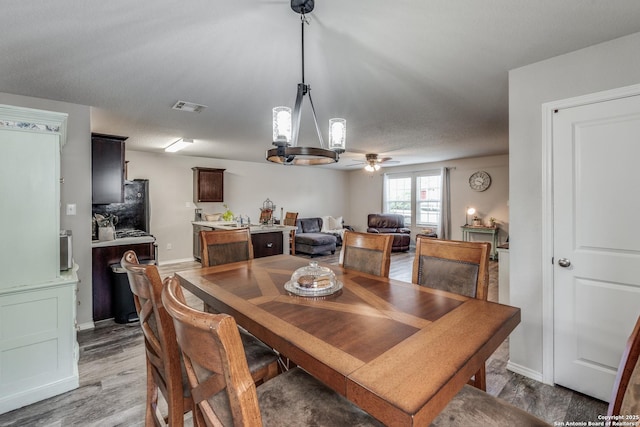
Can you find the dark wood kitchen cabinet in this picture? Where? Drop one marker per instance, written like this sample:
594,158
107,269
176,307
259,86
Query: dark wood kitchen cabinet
266,244
197,246
208,185
107,168
102,276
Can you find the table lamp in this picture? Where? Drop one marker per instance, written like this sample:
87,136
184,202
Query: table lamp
470,211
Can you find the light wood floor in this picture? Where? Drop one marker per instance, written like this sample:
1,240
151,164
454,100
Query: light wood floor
112,375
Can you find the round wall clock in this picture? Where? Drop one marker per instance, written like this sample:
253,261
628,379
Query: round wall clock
479,181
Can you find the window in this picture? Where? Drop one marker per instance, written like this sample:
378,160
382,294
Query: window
398,197
428,199
416,196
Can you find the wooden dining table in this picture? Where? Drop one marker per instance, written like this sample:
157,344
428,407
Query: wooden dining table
397,350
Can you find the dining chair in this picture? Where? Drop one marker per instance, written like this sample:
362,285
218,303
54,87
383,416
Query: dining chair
453,266
225,246
163,358
265,216
625,398
366,252
475,407
290,219
223,389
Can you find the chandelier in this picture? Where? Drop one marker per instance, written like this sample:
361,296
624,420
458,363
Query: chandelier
286,127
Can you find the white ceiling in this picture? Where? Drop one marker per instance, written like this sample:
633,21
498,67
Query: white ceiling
417,80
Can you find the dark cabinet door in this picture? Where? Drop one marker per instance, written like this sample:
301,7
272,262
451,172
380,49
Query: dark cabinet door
103,277
197,246
107,169
266,244
208,185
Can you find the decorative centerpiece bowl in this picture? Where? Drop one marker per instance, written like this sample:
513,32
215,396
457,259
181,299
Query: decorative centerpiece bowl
313,280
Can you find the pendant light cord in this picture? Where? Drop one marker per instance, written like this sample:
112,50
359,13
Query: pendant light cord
302,21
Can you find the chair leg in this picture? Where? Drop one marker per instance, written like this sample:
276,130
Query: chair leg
152,398
479,380
266,373
198,418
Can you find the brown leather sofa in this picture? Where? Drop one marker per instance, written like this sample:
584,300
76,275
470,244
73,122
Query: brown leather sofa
391,224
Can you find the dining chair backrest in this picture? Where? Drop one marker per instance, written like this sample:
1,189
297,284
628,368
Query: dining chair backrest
164,362
625,398
290,218
213,357
366,252
265,215
453,266
225,246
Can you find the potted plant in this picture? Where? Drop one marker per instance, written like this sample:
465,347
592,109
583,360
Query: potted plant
476,221
492,222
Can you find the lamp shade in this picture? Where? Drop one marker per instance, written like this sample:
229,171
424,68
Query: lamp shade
281,125
338,135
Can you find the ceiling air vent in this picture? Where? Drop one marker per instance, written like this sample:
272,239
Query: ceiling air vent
188,106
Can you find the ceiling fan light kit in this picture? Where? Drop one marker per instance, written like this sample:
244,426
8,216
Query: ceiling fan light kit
286,125
372,167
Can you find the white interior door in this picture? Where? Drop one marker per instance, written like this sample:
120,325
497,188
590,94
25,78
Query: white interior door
596,157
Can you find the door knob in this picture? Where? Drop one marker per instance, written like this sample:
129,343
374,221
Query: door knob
563,262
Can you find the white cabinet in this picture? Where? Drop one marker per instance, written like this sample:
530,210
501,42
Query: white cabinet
38,346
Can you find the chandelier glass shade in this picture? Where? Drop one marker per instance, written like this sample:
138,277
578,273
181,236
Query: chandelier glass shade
286,124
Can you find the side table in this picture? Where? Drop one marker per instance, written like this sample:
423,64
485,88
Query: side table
467,230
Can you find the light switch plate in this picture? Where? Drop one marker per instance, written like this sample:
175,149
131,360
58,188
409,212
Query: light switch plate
71,209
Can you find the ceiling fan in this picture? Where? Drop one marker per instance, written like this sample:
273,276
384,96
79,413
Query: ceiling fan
372,162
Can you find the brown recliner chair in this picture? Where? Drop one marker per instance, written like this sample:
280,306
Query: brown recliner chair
391,224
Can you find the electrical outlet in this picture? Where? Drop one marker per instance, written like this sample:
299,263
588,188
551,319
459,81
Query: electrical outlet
169,246
71,209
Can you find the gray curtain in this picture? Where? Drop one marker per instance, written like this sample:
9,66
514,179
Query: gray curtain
445,214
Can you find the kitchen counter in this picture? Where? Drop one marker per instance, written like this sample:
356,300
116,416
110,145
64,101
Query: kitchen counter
122,241
266,239
253,228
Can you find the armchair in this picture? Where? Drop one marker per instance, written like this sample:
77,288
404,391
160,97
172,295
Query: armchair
391,224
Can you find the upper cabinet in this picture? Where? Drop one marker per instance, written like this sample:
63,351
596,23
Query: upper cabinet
208,185
107,168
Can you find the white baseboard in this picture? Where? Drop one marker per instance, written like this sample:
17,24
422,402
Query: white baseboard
38,393
86,325
524,371
175,261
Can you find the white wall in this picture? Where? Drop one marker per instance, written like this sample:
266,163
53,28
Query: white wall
366,193
605,66
310,191
75,167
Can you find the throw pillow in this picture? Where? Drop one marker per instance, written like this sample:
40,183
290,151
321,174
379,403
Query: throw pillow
335,223
325,224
